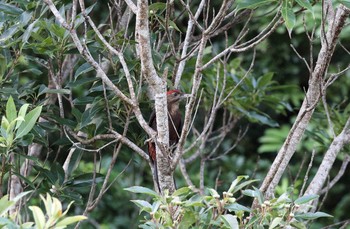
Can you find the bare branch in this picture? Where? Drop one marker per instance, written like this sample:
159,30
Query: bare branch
319,179
132,6
338,176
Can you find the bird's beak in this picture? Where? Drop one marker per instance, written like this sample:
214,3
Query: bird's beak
185,96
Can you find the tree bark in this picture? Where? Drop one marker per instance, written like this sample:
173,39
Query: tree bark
159,87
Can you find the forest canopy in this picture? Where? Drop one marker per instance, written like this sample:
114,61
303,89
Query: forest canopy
265,122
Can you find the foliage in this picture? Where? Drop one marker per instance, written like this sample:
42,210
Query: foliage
6,219
54,217
33,50
15,126
204,211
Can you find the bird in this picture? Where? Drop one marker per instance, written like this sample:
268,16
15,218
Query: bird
174,123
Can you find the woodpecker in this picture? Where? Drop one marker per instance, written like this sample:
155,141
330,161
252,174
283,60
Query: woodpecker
174,122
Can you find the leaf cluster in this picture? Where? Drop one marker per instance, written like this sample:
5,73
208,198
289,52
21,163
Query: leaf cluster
186,208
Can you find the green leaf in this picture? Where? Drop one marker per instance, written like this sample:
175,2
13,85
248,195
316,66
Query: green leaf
11,112
265,80
252,4
87,179
189,218
10,9
171,23
235,182
69,220
4,125
256,193
21,114
143,190
237,207
5,204
182,191
157,6
298,225
39,217
21,195
84,68
288,16
7,34
29,121
28,32
195,201
305,199
311,216
230,221
143,205
306,4
25,18
275,222
263,119
3,66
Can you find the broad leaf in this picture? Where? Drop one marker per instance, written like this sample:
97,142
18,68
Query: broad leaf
10,9
143,205
288,16
230,221
143,190
84,68
237,207
39,217
275,222
311,216
306,4
28,123
5,204
11,112
70,220
305,199
21,114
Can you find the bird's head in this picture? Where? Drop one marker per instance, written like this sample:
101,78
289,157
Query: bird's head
174,96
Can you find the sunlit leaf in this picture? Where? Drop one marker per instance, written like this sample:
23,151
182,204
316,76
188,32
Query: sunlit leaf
28,123
143,190
39,217
69,220
21,114
11,112
5,204
230,221
275,222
